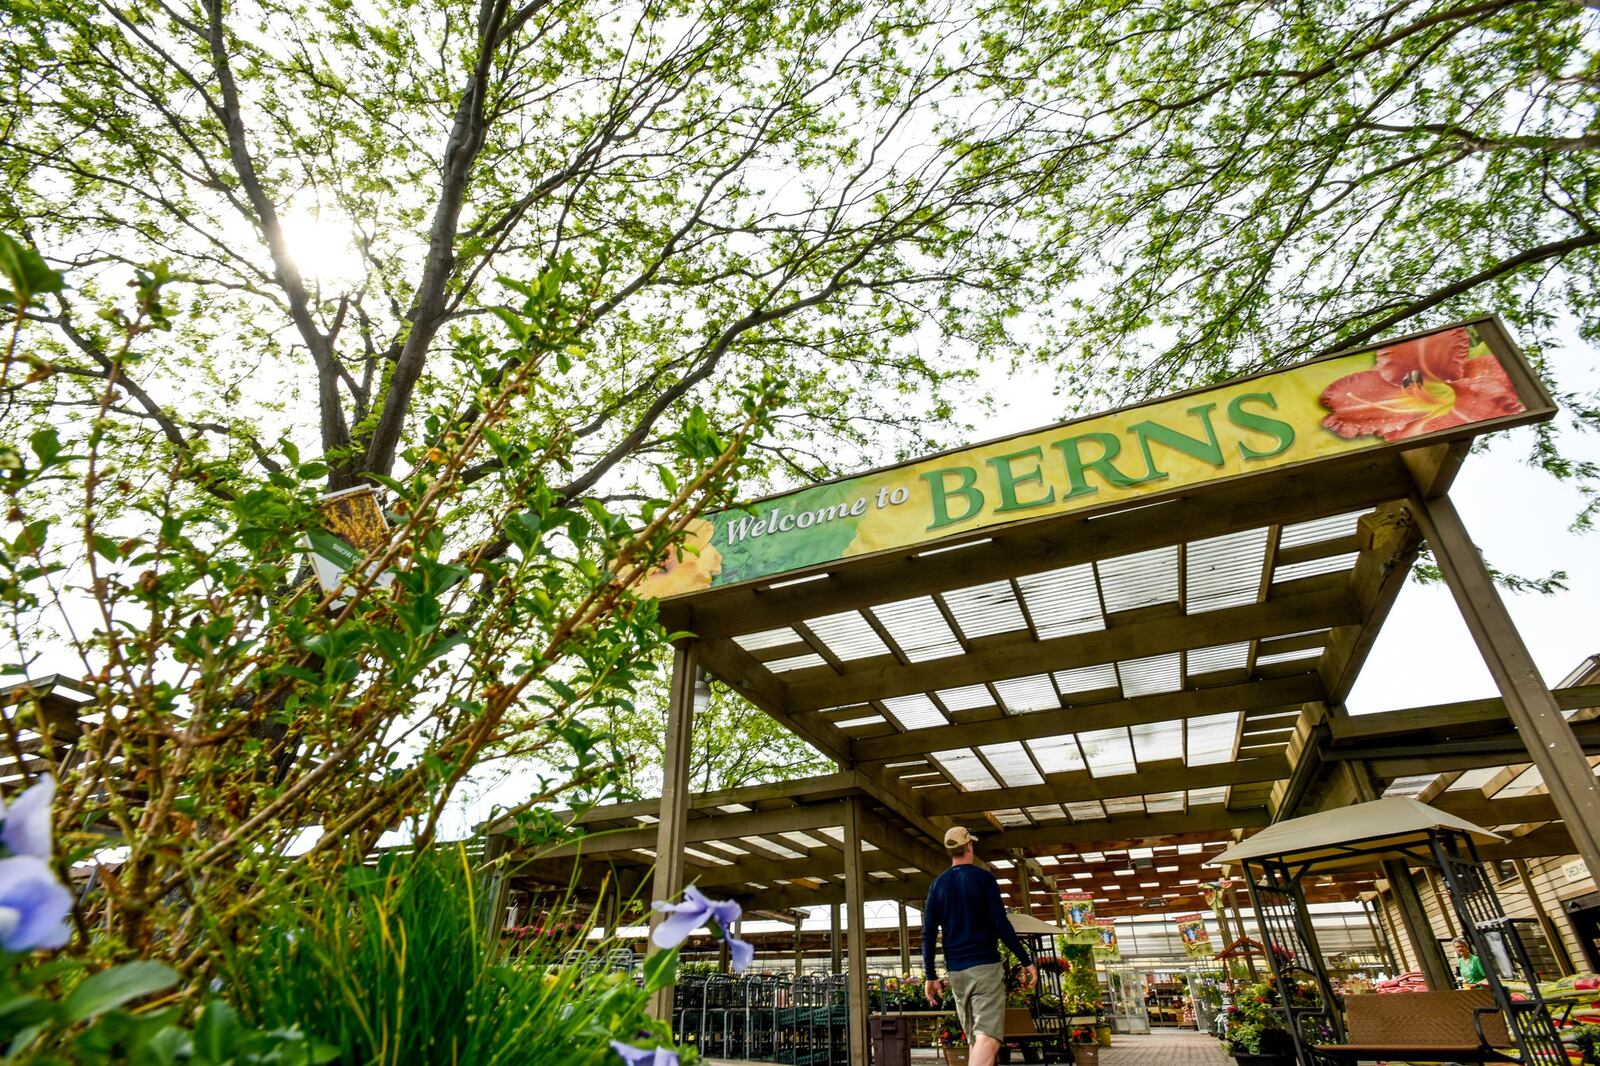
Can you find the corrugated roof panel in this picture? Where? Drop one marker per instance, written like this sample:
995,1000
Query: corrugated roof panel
1319,529
848,635
964,768
1023,694
1219,657
1212,737
1153,741
1474,779
918,627
1086,678
966,698
1409,786
914,712
767,638
796,662
1330,564
1088,811
1152,675
1125,805
1200,797
1139,580
762,844
1224,571
1012,762
984,610
1057,755
1051,813
1011,818
1109,752
1063,601
1164,802
1288,656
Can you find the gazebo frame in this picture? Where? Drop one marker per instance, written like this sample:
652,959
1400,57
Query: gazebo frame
1277,895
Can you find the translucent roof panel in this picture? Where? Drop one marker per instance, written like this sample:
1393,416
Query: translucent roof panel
848,635
1109,752
966,698
1200,797
1530,780
1409,786
1219,657
1063,601
1151,676
1012,762
1086,678
984,610
1011,818
1125,805
964,768
1319,529
914,712
1212,737
1023,694
1224,571
1139,580
1330,564
1052,813
796,662
1288,656
918,627
1164,802
767,638
1474,779
1153,741
1088,811
1057,755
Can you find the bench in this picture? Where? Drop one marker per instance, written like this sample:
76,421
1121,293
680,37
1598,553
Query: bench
1460,1026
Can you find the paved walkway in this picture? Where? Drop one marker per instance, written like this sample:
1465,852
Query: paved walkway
1164,1047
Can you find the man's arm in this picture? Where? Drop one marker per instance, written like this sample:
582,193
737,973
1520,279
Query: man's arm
930,936
1002,925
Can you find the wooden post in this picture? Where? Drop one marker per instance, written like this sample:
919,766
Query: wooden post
1419,930
799,950
855,893
836,964
674,824
905,942
1371,908
1552,935
1399,947
1443,904
1552,747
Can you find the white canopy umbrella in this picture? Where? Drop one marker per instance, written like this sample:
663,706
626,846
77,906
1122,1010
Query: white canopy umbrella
1351,836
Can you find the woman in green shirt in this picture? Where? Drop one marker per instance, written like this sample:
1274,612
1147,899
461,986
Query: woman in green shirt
1468,966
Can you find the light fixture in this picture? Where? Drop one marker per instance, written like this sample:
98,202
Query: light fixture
702,692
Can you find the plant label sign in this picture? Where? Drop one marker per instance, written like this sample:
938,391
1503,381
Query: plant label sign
1451,383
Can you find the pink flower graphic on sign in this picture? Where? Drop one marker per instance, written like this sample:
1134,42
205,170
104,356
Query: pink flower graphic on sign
1420,386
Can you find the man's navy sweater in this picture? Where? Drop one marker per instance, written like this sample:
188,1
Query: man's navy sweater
964,901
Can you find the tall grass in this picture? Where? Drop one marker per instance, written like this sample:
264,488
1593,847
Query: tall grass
393,969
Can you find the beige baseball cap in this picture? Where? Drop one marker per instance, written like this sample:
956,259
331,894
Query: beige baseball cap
957,837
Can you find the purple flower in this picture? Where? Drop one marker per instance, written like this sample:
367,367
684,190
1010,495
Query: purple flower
656,1056
33,905
27,823
696,910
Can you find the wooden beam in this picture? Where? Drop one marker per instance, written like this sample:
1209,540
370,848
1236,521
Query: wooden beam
697,830
1459,716
1407,760
1285,496
1552,747
1081,785
1190,703
1125,830
1309,603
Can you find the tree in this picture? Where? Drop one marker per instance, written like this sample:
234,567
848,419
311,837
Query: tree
573,272
1277,181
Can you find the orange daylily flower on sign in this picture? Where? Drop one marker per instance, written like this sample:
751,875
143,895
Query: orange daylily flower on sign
1421,386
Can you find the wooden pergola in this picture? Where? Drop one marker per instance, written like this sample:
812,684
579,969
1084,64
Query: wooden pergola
1107,693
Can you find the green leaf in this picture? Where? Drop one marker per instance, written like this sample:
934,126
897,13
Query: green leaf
27,272
660,970
112,988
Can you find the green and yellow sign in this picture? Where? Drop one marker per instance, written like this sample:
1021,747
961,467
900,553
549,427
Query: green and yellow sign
1425,387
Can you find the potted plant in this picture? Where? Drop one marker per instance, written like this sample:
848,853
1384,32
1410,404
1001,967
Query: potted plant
953,1042
1085,1049
1257,1033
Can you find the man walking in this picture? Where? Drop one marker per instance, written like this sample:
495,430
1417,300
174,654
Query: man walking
964,901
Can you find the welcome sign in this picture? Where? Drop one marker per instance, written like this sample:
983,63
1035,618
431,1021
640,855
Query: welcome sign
1450,382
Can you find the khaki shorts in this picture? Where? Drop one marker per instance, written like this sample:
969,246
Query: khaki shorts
980,993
